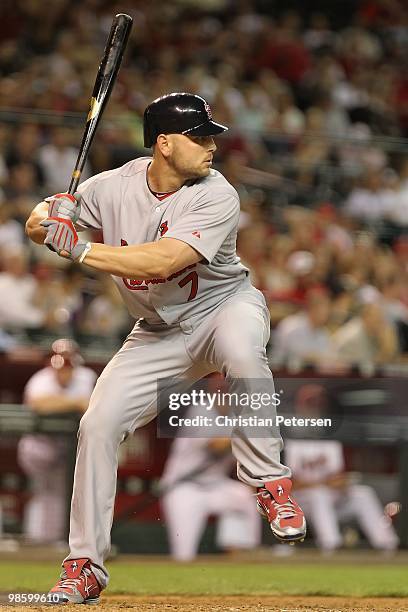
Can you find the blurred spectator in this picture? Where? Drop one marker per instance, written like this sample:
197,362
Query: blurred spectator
373,200
59,296
289,118
63,387
7,342
277,276
331,229
21,190
19,293
394,301
11,232
283,50
367,340
23,150
105,315
57,160
301,265
319,34
302,339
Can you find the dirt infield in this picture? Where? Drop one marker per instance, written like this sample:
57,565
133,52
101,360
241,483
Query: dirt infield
236,604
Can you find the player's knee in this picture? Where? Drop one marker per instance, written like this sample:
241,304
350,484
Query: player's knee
321,496
36,460
246,363
242,497
97,428
362,492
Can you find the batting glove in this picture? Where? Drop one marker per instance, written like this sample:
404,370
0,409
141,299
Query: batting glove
62,236
65,206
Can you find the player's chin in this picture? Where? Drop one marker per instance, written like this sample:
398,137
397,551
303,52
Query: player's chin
199,172
204,170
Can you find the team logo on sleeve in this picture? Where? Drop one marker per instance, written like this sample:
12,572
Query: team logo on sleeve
163,228
196,233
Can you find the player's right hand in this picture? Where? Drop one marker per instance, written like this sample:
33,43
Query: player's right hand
62,238
65,206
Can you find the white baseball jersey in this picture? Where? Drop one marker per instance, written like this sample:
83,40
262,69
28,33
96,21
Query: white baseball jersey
44,382
204,213
314,460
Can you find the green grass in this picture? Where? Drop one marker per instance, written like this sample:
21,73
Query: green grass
163,578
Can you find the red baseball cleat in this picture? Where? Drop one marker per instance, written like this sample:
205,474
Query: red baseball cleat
77,584
285,516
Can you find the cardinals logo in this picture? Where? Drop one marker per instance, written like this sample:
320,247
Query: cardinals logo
208,111
279,490
163,228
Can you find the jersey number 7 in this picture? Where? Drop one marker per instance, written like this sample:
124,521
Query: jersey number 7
193,279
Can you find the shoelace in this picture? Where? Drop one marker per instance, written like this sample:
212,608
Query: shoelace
285,510
67,583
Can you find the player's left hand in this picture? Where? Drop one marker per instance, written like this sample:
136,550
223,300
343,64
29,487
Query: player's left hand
62,238
64,205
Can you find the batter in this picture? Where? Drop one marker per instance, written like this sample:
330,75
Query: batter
170,225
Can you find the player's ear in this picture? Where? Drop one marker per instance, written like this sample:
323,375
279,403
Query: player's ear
164,145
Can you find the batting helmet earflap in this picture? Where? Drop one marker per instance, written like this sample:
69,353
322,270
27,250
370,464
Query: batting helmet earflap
179,113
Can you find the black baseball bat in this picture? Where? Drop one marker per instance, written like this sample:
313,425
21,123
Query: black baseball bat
105,79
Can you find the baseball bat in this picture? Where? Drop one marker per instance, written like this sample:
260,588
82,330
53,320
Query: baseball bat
105,79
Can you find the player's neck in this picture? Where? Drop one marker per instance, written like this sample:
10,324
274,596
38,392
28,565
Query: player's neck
163,179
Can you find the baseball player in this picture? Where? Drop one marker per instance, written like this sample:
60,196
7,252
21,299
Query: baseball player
328,495
197,484
63,386
169,224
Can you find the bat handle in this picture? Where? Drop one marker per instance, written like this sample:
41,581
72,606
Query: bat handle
73,186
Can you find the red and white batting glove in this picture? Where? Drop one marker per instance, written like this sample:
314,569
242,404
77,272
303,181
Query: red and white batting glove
65,206
62,237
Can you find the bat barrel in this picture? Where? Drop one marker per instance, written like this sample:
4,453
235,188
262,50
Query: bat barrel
107,72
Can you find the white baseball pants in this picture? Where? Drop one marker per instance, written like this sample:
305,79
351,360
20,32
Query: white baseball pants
232,340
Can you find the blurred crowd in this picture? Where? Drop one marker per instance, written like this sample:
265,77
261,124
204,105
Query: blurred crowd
317,103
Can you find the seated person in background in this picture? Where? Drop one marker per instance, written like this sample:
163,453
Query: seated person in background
106,315
64,386
197,484
302,338
324,488
366,340
19,291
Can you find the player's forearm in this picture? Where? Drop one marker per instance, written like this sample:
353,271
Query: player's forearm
337,481
143,261
33,229
388,348
56,404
